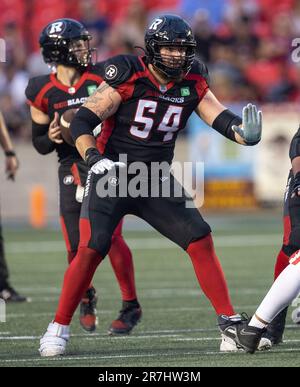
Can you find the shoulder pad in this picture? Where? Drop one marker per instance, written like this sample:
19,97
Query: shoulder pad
35,85
119,69
201,69
97,69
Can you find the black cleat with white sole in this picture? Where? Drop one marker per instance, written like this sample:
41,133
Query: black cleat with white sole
245,336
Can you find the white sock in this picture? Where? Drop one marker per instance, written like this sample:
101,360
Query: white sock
255,322
283,291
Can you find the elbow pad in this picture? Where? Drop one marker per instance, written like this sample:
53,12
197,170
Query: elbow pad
84,122
223,124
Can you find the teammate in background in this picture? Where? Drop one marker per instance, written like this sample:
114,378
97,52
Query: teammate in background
144,102
267,325
7,292
65,45
291,240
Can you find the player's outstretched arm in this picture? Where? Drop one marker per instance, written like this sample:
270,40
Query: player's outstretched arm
246,131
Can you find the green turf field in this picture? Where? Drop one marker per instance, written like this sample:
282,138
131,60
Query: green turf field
178,326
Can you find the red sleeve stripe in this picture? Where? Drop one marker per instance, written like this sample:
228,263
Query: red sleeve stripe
38,102
108,126
201,84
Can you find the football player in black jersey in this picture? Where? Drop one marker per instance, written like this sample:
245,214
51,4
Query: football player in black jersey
65,45
291,240
266,327
143,103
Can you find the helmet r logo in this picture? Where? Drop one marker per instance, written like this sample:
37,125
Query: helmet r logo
111,72
155,24
56,28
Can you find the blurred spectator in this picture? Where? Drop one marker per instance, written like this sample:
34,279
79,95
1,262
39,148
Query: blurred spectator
129,33
204,34
215,9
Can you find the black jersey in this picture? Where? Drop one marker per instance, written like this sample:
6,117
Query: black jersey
47,94
146,125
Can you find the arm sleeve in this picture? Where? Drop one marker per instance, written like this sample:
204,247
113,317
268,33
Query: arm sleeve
40,139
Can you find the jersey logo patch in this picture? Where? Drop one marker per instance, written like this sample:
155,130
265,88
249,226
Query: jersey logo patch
111,72
91,89
185,91
68,180
56,28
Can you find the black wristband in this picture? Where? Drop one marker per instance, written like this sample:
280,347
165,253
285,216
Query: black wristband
10,153
92,156
223,124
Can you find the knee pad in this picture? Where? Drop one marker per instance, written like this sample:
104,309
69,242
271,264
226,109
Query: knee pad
101,242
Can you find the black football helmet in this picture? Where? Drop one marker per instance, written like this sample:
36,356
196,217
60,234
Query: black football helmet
66,42
170,30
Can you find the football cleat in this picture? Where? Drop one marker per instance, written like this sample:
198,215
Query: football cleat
245,336
264,344
227,343
54,341
296,315
9,294
88,313
274,332
129,316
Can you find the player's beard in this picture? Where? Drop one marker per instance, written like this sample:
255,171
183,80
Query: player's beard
166,78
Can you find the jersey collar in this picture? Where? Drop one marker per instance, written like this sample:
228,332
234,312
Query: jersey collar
160,87
68,89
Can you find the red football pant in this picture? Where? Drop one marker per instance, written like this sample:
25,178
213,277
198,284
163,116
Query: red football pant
77,279
121,261
210,275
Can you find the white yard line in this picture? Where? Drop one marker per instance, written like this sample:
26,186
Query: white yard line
140,355
40,247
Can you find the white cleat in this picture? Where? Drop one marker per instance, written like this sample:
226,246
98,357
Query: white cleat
264,344
54,341
229,345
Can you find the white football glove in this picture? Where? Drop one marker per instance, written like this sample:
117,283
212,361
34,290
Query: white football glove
105,165
251,126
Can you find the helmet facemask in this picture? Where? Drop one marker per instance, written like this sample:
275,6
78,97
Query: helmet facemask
80,53
171,65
